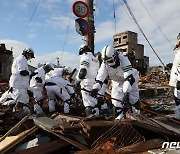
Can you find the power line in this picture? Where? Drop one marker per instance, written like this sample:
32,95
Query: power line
135,20
157,24
114,9
96,5
125,10
30,19
65,38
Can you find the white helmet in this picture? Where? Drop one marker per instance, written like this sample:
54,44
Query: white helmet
109,55
67,70
48,67
178,37
28,51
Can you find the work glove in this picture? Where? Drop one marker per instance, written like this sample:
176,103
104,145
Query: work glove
178,85
72,95
101,100
24,73
94,92
33,74
77,87
38,79
10,90
125,99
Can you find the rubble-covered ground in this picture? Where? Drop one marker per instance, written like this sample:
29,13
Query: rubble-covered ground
60,133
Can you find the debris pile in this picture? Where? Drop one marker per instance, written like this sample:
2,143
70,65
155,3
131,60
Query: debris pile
60,133
156,76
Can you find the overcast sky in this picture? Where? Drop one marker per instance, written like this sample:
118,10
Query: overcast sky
51,30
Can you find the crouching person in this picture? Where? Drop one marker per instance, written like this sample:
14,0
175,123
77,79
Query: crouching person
37,85
57,87
124,83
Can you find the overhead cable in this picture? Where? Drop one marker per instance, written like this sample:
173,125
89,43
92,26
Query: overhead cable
30,19
135,20
96,5
114,9
65,38
157,24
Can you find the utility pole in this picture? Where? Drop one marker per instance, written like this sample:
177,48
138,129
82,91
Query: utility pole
90,18
58,63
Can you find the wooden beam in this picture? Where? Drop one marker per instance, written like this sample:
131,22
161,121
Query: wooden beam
15,127
142,146
10,142
47,125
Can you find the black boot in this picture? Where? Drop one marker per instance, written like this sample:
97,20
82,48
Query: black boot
88,111
116,111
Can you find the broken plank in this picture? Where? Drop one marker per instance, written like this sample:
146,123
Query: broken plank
142,146
45,122
67,118
47,125
71,141
143,122
9,142
175,131
68,127
13,128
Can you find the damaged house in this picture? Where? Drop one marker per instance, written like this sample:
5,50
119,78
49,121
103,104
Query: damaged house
6,60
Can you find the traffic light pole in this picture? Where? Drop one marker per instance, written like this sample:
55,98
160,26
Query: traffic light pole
90,18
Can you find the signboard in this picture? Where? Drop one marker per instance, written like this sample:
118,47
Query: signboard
80,9
82,26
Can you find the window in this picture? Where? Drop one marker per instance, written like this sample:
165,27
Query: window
116,39
125,37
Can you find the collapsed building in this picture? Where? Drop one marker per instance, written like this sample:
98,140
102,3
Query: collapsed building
6,60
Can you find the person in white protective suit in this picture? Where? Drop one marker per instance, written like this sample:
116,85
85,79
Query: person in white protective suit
37,82
124,79
63,73
175,79
86,76
102,104
19,80
8,99
57,87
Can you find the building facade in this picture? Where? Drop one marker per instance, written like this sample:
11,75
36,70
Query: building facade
6,60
